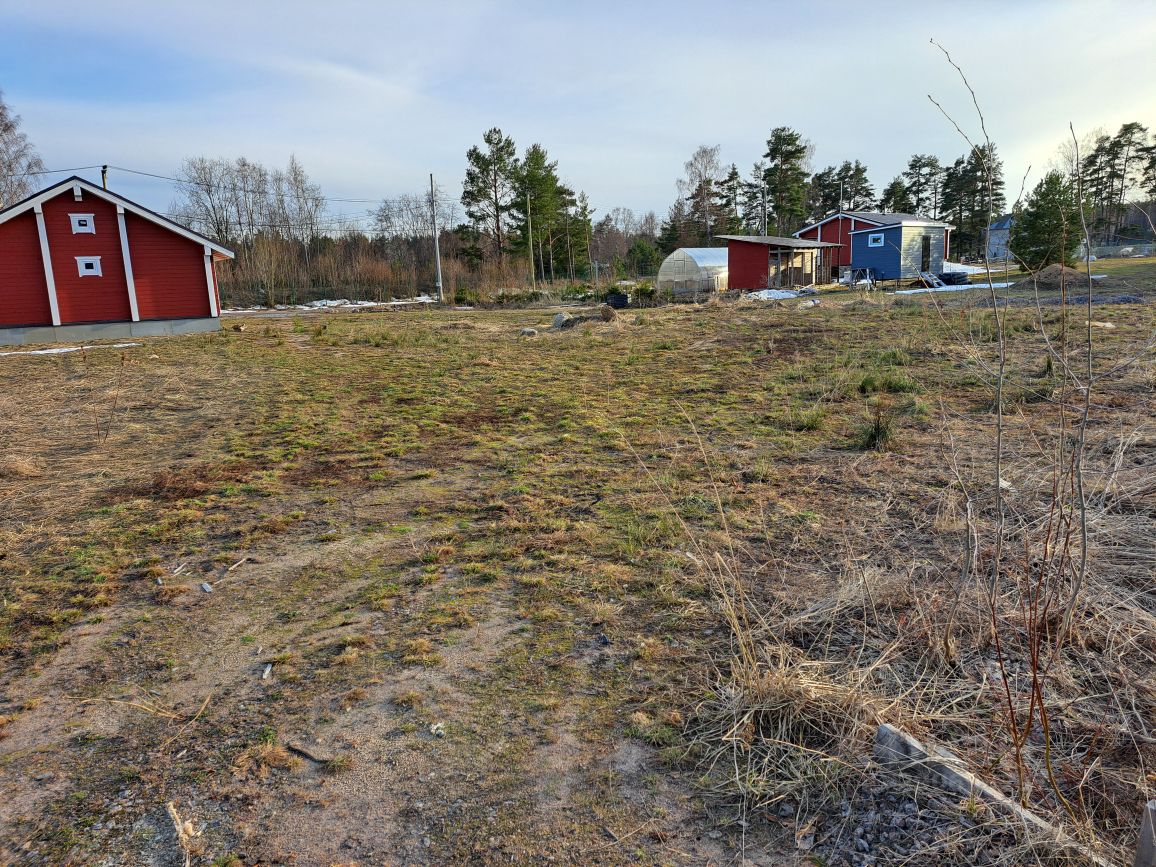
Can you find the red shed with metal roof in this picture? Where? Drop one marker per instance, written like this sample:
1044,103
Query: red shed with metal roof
765,261
78,262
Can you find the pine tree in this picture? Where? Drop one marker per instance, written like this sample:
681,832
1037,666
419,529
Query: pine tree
548,200
1149,178
967,201
581,222
823,194
643,258
787,156
489,193
753,200
673,233
1047,228
858,194
727,203
896,199
1111,170
924,177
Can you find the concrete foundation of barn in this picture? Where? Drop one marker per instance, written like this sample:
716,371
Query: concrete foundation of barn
106,331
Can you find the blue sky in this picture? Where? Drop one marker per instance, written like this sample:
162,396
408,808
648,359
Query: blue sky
372,96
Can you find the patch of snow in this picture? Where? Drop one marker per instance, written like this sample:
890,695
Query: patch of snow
336,304
923,289
60,350
959,267
772,295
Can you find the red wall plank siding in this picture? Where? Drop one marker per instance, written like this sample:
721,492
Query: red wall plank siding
168,271
86,299
747,265
838,231
23,289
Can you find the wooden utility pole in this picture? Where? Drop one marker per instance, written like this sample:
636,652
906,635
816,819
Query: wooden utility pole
590,256
569,252
530,245
433,215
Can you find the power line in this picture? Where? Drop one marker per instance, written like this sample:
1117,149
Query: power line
341,220
63,171
238,188
324,221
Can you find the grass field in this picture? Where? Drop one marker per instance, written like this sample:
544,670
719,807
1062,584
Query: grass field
633,592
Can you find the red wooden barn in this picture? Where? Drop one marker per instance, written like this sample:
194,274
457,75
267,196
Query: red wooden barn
837,228
78,262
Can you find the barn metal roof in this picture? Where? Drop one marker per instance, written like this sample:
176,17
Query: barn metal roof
775,241
881,218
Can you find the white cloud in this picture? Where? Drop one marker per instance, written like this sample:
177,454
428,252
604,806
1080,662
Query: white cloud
371,97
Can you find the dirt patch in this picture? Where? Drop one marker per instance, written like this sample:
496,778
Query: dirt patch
186,483
1055,277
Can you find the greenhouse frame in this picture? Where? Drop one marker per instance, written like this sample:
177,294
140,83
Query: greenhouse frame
690,273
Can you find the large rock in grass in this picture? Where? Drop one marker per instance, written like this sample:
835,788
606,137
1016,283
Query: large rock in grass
563,320
608,313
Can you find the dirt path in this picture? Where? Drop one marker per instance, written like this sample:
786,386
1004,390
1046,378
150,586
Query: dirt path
415,711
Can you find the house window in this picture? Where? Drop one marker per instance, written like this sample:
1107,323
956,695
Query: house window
82,224
875,240
88,266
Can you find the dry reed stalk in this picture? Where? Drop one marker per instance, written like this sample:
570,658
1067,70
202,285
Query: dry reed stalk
185,832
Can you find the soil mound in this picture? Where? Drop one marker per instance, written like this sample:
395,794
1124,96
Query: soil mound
1050,278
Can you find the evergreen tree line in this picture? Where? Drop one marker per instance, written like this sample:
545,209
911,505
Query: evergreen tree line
517,222
781,194
1092,188
524,216
1113,168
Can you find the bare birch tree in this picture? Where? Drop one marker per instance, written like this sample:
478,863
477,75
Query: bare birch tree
19,161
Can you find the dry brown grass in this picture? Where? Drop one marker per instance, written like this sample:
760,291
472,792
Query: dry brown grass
16,467
259,760
507,470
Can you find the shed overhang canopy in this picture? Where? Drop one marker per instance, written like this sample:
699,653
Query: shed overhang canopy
777,242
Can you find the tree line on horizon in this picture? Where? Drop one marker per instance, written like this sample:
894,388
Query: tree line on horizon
782,195
517,222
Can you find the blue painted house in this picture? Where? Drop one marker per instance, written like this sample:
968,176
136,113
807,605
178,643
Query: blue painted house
901,250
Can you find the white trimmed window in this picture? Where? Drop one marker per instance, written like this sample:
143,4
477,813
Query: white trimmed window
875,240
83,224
88,266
